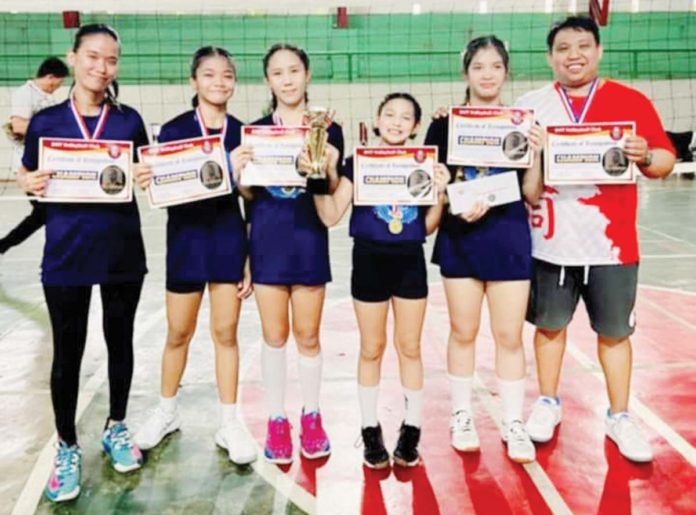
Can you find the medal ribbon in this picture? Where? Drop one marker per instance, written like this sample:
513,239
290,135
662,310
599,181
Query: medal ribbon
101,123
585,105
204,129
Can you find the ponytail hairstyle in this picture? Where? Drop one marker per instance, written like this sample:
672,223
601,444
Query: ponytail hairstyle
417,111
201,55
111,93
480,43
301,54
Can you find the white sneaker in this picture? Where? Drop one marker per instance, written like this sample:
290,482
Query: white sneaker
463,432
241,449
542,421
519,446
159,425
623,430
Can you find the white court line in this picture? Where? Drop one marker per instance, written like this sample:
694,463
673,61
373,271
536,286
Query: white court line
669,314
665,235
536,473
667,256
667,289
33,488
687,451
287,487
273,475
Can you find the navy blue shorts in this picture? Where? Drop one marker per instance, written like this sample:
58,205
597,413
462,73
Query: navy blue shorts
191,287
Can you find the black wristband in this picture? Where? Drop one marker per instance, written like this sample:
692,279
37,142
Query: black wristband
319,186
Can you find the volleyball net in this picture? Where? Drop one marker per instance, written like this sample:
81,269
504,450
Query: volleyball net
358,53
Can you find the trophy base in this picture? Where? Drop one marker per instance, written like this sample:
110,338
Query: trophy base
318,186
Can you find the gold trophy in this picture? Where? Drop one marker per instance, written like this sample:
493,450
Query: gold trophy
318,120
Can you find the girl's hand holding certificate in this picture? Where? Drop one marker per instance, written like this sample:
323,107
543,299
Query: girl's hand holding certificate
442,177
142,174
240,157
34,182
537,138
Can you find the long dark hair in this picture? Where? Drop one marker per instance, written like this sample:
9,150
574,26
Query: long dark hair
417,111
473,47
111,93
201,55
301,54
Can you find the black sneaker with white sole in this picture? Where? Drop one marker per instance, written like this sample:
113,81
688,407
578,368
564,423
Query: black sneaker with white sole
375,455
406,452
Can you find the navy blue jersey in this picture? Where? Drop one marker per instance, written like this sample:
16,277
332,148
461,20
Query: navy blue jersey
206,239
288,242
496,247
373,222
89,243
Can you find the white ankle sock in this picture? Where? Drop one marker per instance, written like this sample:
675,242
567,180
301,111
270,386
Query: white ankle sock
414,401
512,397
367,397
228,413
273,370
460,388
168,404
310,380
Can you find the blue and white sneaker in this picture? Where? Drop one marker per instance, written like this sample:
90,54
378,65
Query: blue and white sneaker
118,445
64,483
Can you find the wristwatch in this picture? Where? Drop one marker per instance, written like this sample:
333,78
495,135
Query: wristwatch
647,160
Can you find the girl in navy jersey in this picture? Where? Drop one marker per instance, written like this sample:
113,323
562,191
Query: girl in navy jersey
88,244
388,266
289,255
206,244
487,252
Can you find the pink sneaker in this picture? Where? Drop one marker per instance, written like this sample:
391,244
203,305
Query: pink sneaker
278,442
313,440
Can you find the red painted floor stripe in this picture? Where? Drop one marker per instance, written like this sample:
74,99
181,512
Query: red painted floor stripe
587,470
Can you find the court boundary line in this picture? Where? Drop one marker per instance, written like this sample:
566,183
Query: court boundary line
642,227
269,472
31,493
667,289
543,483
649,417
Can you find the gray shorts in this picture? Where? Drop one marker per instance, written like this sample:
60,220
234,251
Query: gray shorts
608,291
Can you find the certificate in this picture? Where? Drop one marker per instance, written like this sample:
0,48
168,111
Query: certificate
394,175
589,153
186,170
496,190
490,136
86,170
275,150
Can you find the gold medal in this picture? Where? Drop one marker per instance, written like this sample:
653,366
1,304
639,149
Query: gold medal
395,226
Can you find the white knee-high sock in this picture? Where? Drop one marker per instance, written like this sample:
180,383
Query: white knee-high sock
367,397
414,401
460,388
273,370
512,397
310,380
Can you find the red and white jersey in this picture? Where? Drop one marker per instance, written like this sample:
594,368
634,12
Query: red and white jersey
587,224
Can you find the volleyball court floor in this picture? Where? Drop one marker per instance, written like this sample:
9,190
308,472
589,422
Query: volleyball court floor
579,471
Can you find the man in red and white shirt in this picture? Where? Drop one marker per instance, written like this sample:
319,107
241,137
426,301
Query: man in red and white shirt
584,237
